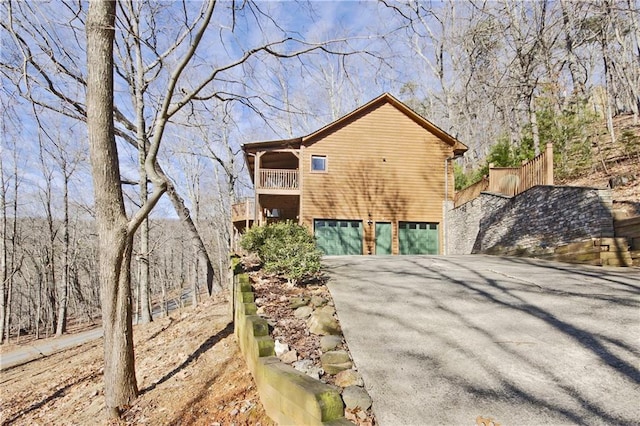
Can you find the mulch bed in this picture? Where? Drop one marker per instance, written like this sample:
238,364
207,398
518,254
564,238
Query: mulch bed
273,295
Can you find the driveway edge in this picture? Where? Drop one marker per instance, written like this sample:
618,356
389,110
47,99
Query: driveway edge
288,396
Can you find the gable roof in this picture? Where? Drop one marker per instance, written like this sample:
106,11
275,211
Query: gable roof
458,147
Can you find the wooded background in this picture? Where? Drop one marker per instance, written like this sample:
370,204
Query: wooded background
504,77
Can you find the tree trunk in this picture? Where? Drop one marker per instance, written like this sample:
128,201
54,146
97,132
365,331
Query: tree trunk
3,252
194,284
185,218
39,304
141,135
50,291
63,294
119,366
577,77
143,274
533,119
608,95
115,245
14,233
7,318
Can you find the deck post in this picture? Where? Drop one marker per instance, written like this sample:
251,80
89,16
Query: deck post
300,183
256,185
246,213
549,164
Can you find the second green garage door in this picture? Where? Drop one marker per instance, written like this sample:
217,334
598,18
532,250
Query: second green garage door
336,237
418,238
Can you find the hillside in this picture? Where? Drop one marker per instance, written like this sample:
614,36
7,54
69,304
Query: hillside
189,372
615,165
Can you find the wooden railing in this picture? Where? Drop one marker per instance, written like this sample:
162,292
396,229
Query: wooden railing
278,179
244,210
512,181
504,180
470,192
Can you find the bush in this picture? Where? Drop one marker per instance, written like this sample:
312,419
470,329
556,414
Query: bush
285,248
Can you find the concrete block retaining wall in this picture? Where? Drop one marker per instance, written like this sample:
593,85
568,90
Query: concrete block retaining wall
543,216
289,397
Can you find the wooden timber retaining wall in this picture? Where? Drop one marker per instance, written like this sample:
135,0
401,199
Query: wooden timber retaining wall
630,229
289,397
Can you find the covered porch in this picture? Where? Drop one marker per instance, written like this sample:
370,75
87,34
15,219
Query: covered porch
274,168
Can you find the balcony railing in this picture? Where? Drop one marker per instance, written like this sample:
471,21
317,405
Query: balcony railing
278,179
243,211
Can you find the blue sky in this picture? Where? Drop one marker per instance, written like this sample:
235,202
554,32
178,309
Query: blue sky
302,94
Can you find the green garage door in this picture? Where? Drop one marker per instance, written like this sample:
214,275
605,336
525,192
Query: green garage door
418,238
383,238
336,237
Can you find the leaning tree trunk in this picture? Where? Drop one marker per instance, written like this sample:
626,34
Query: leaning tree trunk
115,240
185,217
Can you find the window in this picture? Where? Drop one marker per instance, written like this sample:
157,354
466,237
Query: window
318,163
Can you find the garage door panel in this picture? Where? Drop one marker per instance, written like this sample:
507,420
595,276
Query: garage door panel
418,238
339,237
383,238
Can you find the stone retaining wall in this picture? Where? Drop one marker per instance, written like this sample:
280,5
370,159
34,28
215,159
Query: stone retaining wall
541,217
288,396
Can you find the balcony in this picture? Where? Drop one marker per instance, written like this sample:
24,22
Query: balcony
243,211
278,180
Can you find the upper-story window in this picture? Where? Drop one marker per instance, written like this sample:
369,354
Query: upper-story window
318,163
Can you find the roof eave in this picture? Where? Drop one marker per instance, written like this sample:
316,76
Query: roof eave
457,146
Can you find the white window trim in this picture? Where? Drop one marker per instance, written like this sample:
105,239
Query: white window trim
326,164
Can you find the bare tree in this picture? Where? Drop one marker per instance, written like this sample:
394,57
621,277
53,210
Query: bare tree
135,74
578,75
115,229
3,247
43,79
67,158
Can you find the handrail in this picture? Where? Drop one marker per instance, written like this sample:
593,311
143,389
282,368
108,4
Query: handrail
243,210
278,179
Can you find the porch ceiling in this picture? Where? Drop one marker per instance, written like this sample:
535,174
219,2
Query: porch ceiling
270,201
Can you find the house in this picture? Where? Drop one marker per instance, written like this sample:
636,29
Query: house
371,182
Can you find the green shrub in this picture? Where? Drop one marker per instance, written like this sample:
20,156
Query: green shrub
630,142
285,248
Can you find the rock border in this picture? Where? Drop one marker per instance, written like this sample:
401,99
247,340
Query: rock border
288,396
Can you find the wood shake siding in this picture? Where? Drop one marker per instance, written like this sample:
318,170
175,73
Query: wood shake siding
381,166
384,164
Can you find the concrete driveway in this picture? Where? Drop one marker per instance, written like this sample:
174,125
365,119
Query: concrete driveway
444,340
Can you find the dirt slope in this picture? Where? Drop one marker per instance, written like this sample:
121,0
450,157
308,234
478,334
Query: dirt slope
189,372
615,165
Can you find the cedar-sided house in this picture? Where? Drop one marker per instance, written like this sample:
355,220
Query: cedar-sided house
371,182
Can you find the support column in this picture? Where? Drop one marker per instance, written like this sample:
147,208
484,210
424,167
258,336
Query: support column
300,184
256,186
